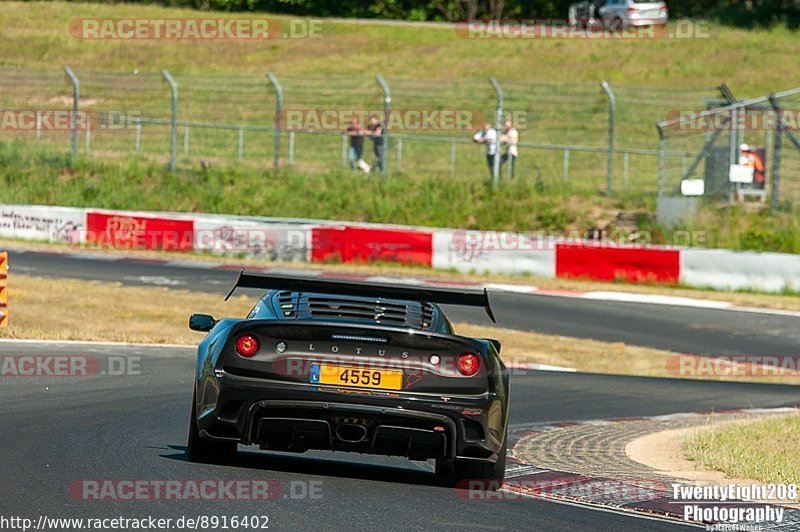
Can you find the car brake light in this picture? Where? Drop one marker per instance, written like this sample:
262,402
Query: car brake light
247,345
469,364
633,9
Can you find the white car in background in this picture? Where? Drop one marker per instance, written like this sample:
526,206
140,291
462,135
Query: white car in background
618,14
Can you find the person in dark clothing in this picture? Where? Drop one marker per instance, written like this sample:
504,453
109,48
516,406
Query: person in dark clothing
356,150
375,129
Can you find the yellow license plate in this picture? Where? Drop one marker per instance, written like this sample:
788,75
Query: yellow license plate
384,379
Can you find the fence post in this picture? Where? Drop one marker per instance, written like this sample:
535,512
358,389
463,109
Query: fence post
452,158
186,140
399,154
73,118
387,108
776,155
276,119
733,148
38,126
138,138
88,140
173,119
240,154
662,153
344,150
498,92
612,110
565,169
291,145
625,164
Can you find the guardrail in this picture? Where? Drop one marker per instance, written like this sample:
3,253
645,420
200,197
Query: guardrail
451,249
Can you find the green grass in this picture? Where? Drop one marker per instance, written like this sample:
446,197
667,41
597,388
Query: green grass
35,176
553,84
766,450
43,176
37,34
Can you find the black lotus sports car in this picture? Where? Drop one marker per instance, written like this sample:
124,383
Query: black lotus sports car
349,366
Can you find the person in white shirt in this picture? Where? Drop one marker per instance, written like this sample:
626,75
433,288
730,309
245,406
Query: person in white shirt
488,136
509,138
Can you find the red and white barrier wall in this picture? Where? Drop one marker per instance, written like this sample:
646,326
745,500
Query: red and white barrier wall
459,250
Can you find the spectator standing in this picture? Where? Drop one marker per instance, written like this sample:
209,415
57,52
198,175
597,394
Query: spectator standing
509,138
488,136
356,150
376,129
750,157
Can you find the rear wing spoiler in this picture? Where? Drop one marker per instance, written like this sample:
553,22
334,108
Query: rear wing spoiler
300,283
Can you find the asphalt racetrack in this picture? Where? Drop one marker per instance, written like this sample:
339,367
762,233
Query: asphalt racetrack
681,329
60,431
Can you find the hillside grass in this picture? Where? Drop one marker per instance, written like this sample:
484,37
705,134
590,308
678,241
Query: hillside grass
44,177
554,83
36,34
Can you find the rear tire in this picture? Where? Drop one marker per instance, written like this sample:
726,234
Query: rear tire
205,451
467,474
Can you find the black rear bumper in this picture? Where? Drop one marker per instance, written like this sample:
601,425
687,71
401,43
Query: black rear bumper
291,417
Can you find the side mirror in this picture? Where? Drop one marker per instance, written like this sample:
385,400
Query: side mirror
201,322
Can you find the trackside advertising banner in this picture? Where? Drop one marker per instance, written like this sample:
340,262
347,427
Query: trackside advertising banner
49,224
494,252
287,240
372,244
271,241
139,231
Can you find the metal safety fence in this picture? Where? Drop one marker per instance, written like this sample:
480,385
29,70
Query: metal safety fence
595,137
740,150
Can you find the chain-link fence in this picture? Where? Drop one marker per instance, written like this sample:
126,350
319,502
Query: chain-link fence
577,136
740,150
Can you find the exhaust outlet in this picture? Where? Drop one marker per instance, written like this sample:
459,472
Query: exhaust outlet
351,433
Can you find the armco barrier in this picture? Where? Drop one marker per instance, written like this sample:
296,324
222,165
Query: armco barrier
370,244
139,231
3,289
466,251
48,224
606,263
254,238
494,252
740,270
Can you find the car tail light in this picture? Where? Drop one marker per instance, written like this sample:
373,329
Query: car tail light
469,364
247,345
662,6
633,9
